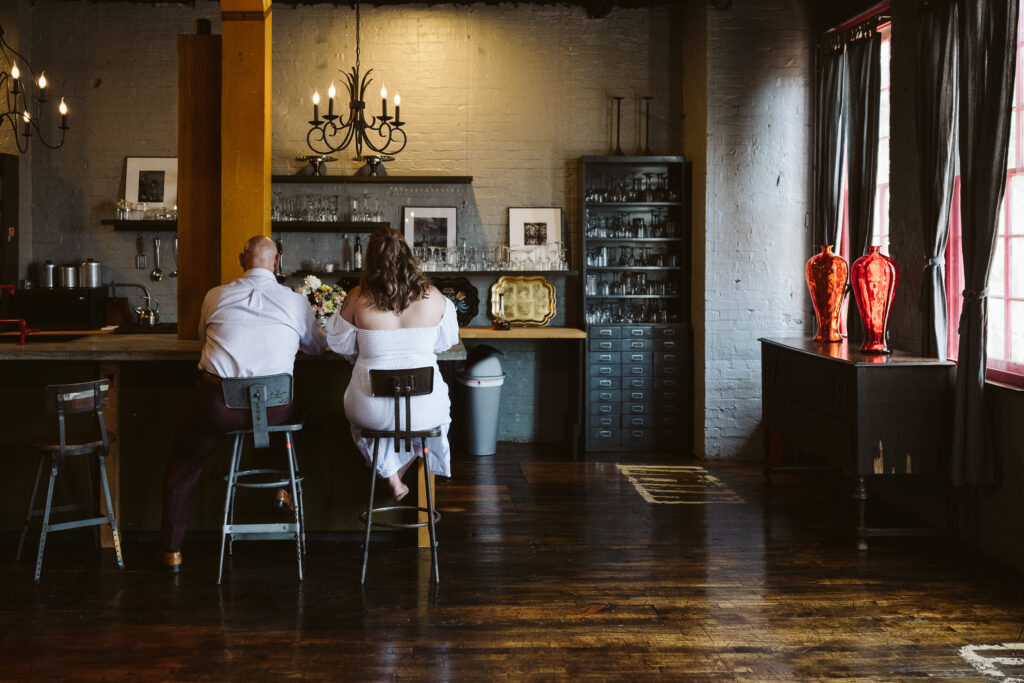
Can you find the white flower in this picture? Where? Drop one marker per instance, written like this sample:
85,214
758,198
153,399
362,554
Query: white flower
312,281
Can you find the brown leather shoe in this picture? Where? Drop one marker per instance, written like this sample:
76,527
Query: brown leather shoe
169,562
283,502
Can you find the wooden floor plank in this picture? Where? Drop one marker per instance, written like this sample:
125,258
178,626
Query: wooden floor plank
551,569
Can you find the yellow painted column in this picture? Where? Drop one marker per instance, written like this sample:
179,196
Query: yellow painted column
245,128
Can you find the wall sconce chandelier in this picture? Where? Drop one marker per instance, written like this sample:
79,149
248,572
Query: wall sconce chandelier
382,134
23,98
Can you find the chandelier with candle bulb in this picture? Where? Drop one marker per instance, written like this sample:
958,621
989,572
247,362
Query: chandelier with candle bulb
381,134
24,100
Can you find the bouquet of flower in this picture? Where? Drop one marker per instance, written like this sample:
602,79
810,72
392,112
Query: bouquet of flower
324,298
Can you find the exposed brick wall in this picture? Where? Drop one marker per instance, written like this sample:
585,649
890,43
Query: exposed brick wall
756,242
510,94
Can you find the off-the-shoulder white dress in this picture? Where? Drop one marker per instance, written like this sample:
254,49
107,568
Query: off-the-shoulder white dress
413,347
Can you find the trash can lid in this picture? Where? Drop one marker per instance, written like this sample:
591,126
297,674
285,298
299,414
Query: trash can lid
483,361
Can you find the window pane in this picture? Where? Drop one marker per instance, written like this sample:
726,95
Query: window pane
883,55
1017,343
1015,195
883,161
1017,270
996,278
883,113
996,329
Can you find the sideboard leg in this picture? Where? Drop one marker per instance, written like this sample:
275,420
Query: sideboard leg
860,494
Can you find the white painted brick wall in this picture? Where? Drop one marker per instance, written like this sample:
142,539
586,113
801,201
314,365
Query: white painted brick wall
758,138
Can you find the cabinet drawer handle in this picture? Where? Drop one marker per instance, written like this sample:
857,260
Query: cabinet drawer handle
636,344
637,333
637,370
637,383
670,358
637,396
605,345
605,357
669,332
604,371
636,409
605,422
670,383
604,383
605,333
637,421
637,433
669,345
604,409
637,357
604,433
605,395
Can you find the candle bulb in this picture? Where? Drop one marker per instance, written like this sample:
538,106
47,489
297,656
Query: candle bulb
316,106
27,119
331,92
41,95
383,101
15,74
63,114
398,102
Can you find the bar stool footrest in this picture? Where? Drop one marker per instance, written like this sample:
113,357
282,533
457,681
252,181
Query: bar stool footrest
283,480
401,525
270,531
77,524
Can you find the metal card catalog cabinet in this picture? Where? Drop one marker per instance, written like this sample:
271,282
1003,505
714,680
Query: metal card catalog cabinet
635,295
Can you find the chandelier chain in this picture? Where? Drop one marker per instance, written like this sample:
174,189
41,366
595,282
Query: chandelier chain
357,37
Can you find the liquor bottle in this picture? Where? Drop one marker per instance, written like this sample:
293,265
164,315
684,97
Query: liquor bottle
279,273
357,256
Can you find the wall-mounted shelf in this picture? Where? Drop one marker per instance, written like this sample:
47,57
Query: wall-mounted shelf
382,179
142,225
440,274
323,226
632,205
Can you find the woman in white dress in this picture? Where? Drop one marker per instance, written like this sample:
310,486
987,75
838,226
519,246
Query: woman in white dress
395,319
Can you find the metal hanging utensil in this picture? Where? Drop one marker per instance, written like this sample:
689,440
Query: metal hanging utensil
156,274
140,253
174,273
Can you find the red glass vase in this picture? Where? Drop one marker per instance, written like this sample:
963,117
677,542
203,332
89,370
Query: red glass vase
826,278
875,277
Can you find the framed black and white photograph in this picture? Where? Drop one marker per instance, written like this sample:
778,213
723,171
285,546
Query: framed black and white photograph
429,226
534,226
152,180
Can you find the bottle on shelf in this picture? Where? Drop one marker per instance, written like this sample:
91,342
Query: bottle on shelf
357,255
279,272
345,263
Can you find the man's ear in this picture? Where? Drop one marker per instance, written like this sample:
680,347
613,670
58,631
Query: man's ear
241,261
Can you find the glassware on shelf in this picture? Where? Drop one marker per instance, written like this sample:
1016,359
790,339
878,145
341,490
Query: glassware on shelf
648,194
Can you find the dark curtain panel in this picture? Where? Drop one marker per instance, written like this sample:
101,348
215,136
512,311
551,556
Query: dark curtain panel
988,47
936,114
830,142
864,69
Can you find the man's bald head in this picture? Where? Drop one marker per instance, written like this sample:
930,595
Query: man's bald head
260,252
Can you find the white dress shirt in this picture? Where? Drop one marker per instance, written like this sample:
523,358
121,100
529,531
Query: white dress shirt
253,326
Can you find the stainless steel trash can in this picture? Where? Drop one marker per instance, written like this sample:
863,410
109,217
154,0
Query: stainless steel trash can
480,400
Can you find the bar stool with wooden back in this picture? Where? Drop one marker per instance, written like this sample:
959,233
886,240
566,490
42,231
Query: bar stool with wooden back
401,384
90,438
256,394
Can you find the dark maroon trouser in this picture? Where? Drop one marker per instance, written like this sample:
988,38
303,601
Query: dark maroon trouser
201,427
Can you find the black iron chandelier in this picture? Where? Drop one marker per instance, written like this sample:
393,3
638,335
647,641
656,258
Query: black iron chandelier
381,134
23,99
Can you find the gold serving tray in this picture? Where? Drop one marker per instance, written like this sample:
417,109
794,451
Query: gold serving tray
529,300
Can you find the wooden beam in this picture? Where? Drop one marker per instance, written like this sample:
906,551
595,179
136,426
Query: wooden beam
199,188
245,133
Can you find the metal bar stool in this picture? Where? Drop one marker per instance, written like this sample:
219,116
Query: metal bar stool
65,400
401,384
257,394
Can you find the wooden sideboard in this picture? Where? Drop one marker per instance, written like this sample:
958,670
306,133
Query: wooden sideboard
869,414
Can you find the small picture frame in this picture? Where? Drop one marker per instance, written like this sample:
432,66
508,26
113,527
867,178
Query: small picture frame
429,226
534,226
151,180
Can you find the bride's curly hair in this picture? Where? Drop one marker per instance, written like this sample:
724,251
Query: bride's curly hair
391,278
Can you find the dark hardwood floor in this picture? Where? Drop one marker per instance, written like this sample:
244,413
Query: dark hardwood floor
550,569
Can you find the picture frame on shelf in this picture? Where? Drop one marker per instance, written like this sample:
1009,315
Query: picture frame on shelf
429,226
152,181
535,226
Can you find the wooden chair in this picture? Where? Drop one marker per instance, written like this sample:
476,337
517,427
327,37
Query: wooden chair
64,401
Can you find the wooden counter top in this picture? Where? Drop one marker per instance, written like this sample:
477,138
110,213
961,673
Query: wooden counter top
137,347
523,333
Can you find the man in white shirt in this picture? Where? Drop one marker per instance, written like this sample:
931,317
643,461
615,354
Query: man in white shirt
250,327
